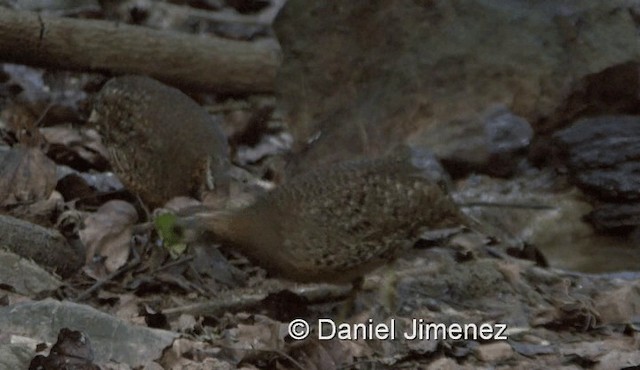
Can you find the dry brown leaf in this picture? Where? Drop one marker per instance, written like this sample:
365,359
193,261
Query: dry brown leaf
330,354
26,175
206,364
316,356
107,234
184,323
264,334
73,349
180,203
39,212
19,124
256,336
85,144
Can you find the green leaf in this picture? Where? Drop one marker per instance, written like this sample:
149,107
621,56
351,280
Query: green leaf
171,235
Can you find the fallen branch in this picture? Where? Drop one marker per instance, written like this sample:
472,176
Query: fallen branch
313,293
191,61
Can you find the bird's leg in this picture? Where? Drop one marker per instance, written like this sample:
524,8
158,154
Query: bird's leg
147,213
349,305
387,292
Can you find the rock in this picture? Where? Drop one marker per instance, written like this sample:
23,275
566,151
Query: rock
112,338
15,356
494,352
45,246
618,359
494,144
507,135
601,152
24,276
620,182
444,363
359,77
615,217
613,90
560,232
620,304
601,155
72,350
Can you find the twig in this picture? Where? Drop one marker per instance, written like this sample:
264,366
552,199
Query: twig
133,263
216,307
316,293
506,205
175,263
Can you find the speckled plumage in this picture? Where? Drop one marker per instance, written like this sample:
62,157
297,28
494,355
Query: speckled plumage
161,143
337,223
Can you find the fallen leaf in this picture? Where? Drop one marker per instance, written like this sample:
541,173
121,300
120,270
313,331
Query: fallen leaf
26,175
80,149
171,238
107,236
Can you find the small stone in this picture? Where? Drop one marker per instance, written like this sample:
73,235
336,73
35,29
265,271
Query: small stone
619,305
444,363
494,352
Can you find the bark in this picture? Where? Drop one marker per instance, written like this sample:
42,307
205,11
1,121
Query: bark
190,61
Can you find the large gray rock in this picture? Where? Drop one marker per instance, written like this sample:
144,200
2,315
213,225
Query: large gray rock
602,157
359,77
112,339
494,145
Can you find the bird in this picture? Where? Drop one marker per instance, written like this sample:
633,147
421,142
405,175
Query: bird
161,143
333,224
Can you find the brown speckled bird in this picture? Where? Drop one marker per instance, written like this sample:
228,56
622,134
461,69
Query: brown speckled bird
161,143
334,224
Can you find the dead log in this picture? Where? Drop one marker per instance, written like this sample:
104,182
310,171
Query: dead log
190,61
